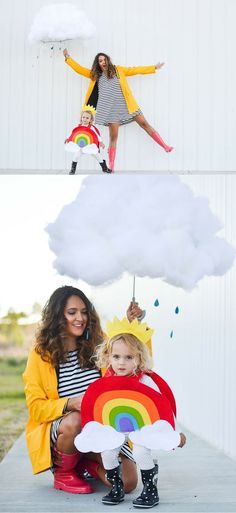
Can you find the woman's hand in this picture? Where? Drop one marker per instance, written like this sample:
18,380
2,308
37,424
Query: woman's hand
159,65
66,141
134,311
101,145
74,403
65,53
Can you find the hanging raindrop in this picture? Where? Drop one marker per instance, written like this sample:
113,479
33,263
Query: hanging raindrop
156,302
171,334
177,310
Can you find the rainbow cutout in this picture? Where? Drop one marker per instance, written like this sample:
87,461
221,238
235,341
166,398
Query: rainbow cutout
125,404
83,135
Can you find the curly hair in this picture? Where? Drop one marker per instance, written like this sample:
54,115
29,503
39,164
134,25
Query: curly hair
96,71
51,336
104,350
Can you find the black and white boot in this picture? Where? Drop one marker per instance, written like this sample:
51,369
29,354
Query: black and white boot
149,496
116,494
104,167
73,168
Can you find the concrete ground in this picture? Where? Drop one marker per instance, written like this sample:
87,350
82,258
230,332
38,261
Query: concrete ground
197,478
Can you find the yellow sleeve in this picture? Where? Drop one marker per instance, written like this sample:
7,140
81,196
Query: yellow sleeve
77,67
138,70
41,407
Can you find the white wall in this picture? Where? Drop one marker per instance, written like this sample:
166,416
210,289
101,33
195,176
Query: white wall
191,101
199,361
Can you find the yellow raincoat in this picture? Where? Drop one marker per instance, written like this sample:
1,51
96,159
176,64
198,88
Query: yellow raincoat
44,406
121,72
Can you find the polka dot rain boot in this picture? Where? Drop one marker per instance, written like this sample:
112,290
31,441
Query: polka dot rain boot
116,494
149,496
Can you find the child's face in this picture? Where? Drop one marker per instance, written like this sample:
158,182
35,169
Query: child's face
86,118
122,359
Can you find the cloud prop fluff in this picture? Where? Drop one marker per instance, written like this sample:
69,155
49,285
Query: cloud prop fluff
96,437
150,226
159,435
58,22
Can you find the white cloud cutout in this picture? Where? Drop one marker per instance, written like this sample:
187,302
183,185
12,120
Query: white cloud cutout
159,435
96,437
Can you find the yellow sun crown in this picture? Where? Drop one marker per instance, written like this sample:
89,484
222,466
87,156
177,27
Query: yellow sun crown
89,108
139,330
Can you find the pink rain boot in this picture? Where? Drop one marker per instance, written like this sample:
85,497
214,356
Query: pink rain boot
112,156
157,138
65,476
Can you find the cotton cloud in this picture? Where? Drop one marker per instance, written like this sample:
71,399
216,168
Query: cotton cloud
151,226
159,435
96,437
59,22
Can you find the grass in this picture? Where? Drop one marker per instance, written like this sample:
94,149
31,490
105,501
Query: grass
13,411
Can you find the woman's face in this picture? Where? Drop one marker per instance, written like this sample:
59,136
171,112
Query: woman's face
102,61
76,316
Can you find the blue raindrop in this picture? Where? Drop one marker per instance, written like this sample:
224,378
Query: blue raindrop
171,334
177,310
156,302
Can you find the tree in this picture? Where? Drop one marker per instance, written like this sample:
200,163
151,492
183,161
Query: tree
11,328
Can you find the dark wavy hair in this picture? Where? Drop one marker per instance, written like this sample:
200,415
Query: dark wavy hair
96,71
51,335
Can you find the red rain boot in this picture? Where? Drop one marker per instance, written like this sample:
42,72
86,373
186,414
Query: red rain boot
157,138
112,156
65,477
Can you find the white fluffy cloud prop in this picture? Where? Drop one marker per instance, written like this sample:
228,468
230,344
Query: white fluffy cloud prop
159,435
96,437
71,147
59,22
145,225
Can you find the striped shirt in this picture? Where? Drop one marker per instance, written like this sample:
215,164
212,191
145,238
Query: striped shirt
111,106
73,380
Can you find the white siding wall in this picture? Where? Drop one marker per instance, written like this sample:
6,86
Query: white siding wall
199,362
191,101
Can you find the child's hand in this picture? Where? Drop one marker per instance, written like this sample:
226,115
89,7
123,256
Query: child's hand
66,141
182,440
101,145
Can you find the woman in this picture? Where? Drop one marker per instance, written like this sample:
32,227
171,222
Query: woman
58,372
109,93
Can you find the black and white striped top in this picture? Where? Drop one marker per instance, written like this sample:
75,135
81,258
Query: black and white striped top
72,380
111,106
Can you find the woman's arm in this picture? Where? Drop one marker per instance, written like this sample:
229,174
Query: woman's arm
75,65
141,70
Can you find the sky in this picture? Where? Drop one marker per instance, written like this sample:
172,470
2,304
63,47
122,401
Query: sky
27,205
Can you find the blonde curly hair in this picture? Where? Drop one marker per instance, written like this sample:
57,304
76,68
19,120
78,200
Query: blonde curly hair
104,350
